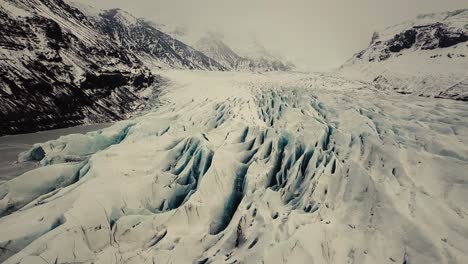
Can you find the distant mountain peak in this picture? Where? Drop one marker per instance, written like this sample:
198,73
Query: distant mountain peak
257,58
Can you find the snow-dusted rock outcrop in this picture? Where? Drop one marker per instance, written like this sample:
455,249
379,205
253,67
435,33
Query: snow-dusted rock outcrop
427,56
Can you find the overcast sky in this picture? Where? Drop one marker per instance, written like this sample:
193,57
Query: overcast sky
314,34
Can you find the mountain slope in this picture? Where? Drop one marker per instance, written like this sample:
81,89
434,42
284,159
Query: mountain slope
56,70
262,58
61,67
427,56
253,58
151,45
219,51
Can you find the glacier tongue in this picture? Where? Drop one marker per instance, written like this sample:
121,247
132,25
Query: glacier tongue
251,168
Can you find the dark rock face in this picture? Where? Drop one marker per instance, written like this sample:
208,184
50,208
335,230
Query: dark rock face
447,38
423,37
404,40
57,71
105,80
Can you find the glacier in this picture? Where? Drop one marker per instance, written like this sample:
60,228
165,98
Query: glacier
234,167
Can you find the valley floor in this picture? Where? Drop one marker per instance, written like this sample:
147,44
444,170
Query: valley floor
250,168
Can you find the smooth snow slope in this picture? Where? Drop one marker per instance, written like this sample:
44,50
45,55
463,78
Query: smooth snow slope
251,168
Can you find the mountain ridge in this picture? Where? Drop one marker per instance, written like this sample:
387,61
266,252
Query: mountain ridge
255,58
150,44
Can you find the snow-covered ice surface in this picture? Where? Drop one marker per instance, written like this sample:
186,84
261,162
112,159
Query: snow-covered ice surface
251,168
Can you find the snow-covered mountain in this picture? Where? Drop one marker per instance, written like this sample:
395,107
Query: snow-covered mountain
427,56
151,45
250,56
146,41
63,66
218,50
57,70
215,47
